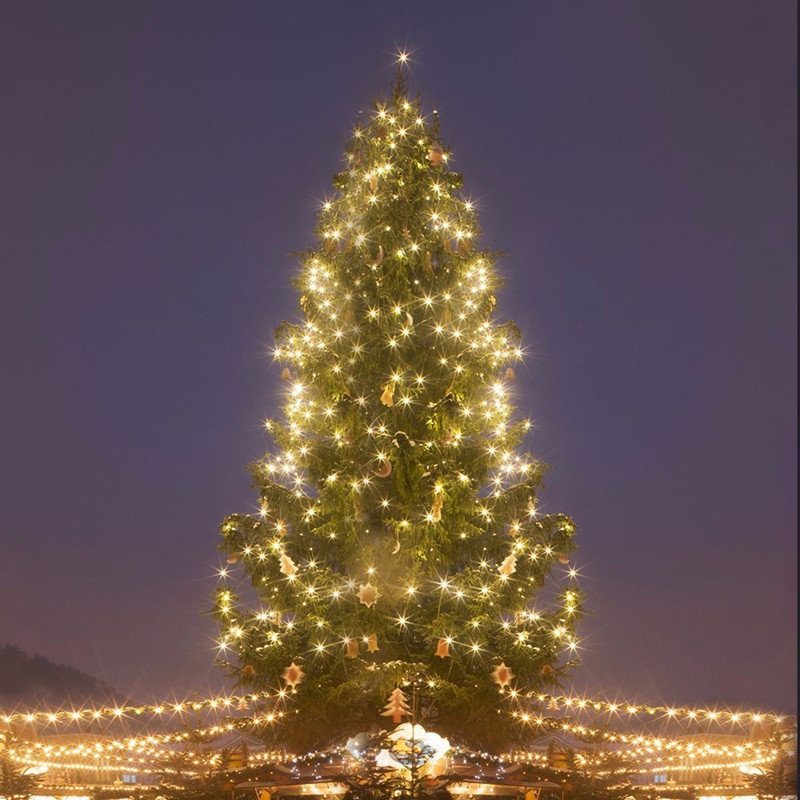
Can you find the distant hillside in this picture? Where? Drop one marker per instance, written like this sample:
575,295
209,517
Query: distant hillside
35,680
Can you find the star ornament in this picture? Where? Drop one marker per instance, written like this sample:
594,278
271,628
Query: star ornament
367,594
293,675
502,675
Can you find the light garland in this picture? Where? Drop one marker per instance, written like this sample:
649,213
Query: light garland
694,714
163,709
225,703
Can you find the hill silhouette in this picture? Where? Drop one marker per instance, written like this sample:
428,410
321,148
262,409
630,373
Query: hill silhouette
36,681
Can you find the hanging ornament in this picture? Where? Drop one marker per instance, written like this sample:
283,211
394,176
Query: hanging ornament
443,648
303,301
409,319
373,181
436,155
546,671
248,671
358,508
380,131
509,565
367,594
387,398
406,234
372,643
232,558
436,509
396,548
378,256
502,675
243,705
448,245
401,440
464,245
385,469
427,264
288,567
351,649
286,374
563,558
293,675
510,374
397,707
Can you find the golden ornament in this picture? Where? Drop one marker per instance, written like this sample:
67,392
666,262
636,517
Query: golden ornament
351,649
443,648
358,508
385,469
435,155
372,643
546,671
502,675
367,594
248,671
436,509
288,567
286,374
510,374
373,182
427,264
293,675
509,565
387,398
397,707
232,558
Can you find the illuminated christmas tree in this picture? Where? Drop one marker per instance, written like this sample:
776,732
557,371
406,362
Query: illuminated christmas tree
399,542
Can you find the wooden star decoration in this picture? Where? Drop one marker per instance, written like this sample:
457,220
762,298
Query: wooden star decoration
502,675
367,594
293,675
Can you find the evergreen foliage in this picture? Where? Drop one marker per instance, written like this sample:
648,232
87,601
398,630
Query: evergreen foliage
399,540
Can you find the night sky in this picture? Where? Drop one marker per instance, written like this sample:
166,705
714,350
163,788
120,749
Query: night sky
160,163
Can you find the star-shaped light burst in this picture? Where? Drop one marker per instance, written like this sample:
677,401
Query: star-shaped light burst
367,594
502,675
293,675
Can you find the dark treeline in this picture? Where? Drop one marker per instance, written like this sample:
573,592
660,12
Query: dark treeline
36,680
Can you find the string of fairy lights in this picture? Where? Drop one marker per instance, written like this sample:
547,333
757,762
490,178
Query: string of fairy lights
227,703
151,753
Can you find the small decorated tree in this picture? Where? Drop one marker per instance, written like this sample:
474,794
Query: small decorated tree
397,707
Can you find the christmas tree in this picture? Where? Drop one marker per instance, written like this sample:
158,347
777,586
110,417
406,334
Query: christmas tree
398,541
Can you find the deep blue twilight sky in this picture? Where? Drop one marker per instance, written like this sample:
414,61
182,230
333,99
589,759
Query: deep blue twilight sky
159,163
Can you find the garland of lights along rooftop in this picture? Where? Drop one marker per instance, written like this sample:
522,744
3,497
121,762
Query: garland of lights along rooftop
398,550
